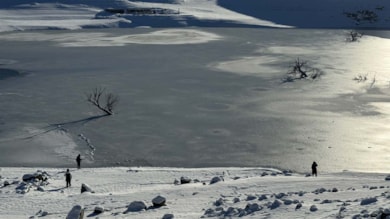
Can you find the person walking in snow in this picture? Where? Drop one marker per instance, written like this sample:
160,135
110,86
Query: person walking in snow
314,169
68,178
78,160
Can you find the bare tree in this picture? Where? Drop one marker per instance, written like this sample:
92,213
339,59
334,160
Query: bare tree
106,102
300,70
353,36
360,78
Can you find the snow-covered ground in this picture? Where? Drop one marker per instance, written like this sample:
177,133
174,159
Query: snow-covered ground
244,192
211,193
76,14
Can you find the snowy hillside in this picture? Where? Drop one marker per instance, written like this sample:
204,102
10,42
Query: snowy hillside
75,14
209,193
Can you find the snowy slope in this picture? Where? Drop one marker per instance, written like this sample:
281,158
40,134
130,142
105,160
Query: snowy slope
248,192
75,14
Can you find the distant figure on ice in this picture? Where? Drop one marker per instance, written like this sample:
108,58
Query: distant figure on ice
314,169
68,178
78,160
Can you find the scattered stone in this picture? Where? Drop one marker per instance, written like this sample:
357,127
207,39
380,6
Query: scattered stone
335,190
368,201
28,177
219,202
250,208
280,195
136,206
216,179
159,201
231,212
176,182
287,201
40,188
209,213
23,188
168,216
326,201
298,206
77,212
321,190
6,183
86,188
236,200
275,204
37,176
264,174
185,180
387,177
250,197
98,210
220,208
376,213
313,208
262,197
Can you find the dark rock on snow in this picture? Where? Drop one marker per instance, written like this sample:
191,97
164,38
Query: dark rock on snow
159,201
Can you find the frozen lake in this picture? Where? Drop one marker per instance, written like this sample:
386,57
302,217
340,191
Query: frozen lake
195,98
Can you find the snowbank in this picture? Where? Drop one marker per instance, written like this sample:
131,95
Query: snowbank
77,14
251,192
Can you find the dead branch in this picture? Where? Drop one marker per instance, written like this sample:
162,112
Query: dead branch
110,101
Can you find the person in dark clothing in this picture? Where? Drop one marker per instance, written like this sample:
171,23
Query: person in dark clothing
78,160
68,178
314,169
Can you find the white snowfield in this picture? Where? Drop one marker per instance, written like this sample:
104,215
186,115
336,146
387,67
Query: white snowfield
242,192
78,14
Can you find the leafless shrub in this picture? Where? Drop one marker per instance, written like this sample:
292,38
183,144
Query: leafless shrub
354,36
360,78
364,78
373,81
300,70
362,16
105,102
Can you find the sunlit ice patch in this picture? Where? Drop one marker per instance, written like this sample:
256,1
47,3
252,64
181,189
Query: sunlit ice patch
96,39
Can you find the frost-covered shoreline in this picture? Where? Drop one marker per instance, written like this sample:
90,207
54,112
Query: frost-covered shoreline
211,193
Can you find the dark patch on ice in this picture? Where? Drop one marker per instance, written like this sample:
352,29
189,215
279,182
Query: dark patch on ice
79,122
214,106
189,81
7,73
259,89
219,132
